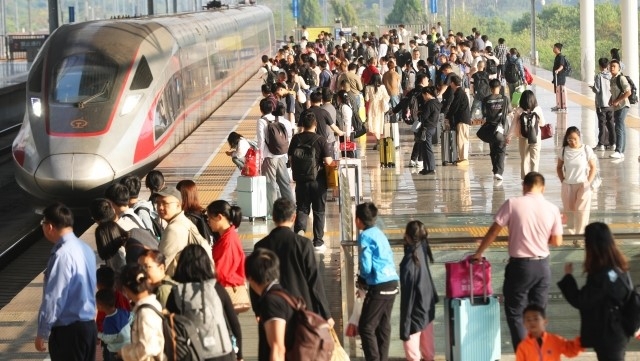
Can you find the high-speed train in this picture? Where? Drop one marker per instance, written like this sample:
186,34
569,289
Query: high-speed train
113,97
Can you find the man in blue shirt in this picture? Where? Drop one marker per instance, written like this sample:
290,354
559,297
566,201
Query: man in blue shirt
378,275
68,309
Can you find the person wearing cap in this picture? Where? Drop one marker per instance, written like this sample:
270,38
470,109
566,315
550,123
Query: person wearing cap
180,231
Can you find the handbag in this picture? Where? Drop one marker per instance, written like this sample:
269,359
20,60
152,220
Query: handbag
546,131
239,297
465,278
486,133
251,163
339,353
301,97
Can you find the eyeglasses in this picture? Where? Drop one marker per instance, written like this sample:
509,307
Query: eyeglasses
164,204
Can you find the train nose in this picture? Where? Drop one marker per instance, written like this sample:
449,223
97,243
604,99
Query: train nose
64,174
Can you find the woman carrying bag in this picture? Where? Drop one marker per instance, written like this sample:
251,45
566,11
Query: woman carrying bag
598,300
576,169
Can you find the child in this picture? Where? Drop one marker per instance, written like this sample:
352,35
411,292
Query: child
418,295
116,331
378,275
105,280
541,345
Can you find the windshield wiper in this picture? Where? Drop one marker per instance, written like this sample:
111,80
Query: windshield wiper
95,96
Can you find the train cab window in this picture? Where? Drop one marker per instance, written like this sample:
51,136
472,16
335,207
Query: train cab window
87,77
143,77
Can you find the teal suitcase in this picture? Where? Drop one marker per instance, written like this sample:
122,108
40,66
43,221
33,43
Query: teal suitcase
472,329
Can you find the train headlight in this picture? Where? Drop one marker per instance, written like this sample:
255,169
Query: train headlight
36,107
130,103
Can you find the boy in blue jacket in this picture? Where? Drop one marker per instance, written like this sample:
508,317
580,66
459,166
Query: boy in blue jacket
116,329
377,275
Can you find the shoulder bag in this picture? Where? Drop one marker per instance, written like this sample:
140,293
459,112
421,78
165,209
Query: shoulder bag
239,297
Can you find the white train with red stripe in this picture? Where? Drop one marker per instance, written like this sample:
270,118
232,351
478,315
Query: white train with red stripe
113,97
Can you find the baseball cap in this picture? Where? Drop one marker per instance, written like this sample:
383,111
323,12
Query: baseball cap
170,192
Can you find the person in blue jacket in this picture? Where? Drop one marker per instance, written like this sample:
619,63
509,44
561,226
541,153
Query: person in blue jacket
418,296
378,276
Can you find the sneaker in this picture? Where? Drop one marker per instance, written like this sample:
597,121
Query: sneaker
497,176
463,162
554,109
599,147
413,164
320,249
301,232
616,155
613,147
562,110
427,172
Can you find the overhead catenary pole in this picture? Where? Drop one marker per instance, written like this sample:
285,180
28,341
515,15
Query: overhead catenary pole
53,15
534,50
587,40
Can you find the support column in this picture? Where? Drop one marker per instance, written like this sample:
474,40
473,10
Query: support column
150,10
587,40
629,14
53,15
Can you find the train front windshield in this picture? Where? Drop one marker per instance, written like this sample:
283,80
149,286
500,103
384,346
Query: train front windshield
87,77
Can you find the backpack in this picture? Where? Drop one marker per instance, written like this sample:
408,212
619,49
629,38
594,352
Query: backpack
529,126
181,339
309,77
141,225
155,221
359,127
312,338
207,315
304,163
633,98
276,137
271,76
511,73
630,310
567,67
327,83
491,67
200,220
481,85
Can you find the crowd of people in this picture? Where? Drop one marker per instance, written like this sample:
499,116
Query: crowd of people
170,254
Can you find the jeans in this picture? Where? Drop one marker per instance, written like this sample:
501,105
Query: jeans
312,195
605,119
416,151
497,154
428,158
525,282
619,116
375,325
275,170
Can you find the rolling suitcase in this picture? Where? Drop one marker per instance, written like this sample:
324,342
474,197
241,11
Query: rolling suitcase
392,130
448,148
387,152
252,196
472,329
351,170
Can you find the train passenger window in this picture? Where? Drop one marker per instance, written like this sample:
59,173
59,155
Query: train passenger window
161,119
84,78
143,77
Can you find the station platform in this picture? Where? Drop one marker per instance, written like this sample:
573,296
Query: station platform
13,72
456,204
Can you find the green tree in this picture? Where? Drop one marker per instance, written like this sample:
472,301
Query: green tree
407,12
309,12
345,11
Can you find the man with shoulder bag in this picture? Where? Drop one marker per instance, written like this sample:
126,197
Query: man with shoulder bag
495,108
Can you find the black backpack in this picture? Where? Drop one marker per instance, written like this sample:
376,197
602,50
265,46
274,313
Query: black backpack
181,338
630,310
633,98
271,76
200,220
511,73
491,67
309,76
155,221
529,126
481,85
567,67
276,137
304,163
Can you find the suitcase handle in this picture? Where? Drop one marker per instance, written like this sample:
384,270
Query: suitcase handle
484,281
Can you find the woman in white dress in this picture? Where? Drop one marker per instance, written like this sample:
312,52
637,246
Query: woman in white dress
377,103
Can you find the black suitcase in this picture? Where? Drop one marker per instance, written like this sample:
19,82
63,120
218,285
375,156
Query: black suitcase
449,149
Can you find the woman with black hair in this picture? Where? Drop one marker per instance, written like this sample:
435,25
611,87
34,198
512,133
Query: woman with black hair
530,145
206,303
147,340
110,238
228,254
239,147
418,296
377,103
599,300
